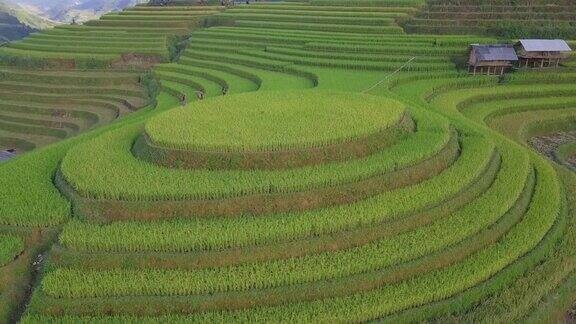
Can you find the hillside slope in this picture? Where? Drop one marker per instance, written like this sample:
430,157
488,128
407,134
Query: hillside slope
298,163
11,28
24,16
504,18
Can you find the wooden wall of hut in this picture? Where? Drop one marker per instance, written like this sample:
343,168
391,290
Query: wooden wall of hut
488,70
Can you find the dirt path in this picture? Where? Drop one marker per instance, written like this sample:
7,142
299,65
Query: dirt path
29,265
36,269
570,317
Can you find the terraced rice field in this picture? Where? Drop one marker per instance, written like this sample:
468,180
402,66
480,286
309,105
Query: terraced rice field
298,162
38,108
61,82
136,31
507,18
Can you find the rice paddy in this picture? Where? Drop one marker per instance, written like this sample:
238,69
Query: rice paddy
312,161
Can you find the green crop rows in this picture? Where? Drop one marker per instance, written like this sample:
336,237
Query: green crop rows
310,161
10,247
281,128
520,19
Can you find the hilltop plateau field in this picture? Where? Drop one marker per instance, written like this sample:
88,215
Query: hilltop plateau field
306,161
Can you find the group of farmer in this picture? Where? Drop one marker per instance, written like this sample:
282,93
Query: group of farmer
201,94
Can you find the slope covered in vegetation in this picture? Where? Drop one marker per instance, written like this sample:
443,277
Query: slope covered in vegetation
349,171
67,11
11,28
515,19
17,22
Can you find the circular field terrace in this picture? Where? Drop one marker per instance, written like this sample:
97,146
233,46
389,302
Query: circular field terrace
273,130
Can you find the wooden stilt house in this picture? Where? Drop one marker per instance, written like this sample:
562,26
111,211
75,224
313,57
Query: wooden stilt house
491,59
541,53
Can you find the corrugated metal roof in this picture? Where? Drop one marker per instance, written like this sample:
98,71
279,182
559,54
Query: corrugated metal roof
495,53
545,45
5,155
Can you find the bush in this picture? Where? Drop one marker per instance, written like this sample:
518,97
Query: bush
152,86
176,45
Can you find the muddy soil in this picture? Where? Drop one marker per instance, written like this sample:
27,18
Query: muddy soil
548,144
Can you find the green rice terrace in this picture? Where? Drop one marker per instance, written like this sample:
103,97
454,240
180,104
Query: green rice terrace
305,161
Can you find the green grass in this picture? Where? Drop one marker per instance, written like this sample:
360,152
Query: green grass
368,21
86,50
159,18
97,43
162,13
350,56
30,197
473,108
455,218
320,27
196,82
264,121
405,49
374,62
10,247
348,36
90,44
10,53
95,78
32,200
375,3
114,150
247,230
424,288
318,12
295,6
498,106
265,76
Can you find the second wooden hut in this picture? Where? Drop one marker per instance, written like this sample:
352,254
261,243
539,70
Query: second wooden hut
540,53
